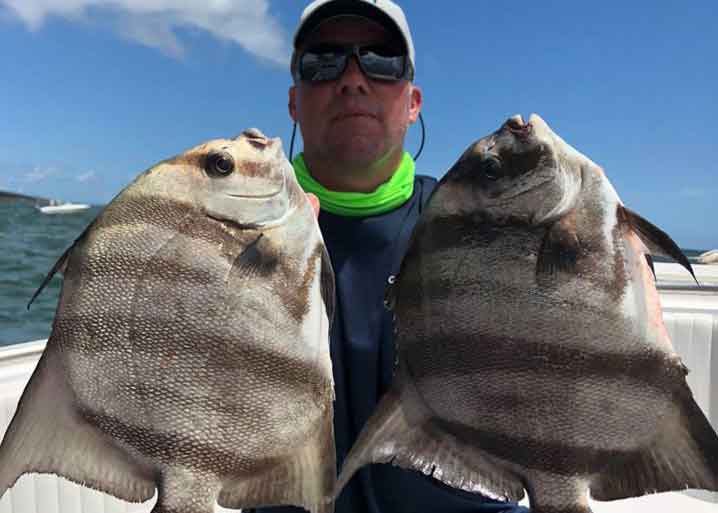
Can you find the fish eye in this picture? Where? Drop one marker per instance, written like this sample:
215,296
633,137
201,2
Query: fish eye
220,163
491,168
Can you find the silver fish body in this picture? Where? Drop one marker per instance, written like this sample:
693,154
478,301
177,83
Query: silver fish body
189,351
532,355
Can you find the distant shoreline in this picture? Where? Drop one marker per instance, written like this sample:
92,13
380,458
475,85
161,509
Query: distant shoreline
7,196
15,197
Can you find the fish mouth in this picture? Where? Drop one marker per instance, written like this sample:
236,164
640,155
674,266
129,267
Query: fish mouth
256,196
519,128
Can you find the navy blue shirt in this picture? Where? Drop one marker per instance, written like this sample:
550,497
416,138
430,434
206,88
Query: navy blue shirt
364,253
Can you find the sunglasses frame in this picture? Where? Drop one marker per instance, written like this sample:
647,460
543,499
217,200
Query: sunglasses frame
350,51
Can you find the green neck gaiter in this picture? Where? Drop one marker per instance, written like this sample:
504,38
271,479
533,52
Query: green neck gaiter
384,198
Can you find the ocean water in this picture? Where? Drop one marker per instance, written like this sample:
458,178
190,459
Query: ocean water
30,244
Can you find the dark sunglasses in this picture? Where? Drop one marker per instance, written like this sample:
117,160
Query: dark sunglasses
328,61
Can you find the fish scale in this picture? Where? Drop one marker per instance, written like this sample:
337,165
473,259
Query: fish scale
531,354
177,360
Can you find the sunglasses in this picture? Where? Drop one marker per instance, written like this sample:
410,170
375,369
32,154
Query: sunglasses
328,61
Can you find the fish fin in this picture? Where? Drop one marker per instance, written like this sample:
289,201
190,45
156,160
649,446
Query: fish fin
649,261
184,490
327,286
683,455
560,247
305,479
390,437
48,436
60,265
252,261
656,240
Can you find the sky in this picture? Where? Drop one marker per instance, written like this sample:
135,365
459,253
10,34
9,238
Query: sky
93,92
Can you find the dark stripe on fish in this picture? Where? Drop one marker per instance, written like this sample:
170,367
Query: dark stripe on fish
541,455
170,448
462,231
296,297
162,346
165,269
126,214
249,167
470,355
476,243
477,168
421,290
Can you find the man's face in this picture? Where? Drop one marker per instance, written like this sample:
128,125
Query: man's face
353,120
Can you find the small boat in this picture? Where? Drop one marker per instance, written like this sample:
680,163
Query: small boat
62,208
709,257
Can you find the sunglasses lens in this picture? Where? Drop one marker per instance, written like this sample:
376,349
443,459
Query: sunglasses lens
327,62
382,63
322,63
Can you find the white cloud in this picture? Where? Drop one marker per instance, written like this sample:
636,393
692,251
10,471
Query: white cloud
84,177
153,22
39,174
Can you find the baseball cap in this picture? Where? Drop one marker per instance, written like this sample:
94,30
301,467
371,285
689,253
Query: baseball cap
385,12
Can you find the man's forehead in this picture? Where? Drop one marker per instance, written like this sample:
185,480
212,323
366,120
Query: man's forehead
351,29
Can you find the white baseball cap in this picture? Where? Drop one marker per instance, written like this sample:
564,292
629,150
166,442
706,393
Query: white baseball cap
385,12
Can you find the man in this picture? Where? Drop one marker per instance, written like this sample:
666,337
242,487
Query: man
353,99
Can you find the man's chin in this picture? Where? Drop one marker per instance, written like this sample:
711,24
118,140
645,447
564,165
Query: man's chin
358,153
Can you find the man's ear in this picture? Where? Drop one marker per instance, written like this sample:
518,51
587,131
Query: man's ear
293,103
415,103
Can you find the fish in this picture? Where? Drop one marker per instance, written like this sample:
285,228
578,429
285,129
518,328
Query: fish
531,353
189,352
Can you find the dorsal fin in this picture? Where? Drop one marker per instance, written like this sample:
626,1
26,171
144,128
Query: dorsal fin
60,265
656,240
328,286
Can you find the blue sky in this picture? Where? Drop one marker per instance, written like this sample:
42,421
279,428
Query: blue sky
92,92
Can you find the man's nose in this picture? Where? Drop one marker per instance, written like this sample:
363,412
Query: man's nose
353,80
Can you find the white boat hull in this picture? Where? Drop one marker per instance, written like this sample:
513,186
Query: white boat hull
63,209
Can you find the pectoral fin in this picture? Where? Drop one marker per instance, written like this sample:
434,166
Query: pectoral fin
253,261
560,247
47,435
656,240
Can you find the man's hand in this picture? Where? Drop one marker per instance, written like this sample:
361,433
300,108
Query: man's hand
315,203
